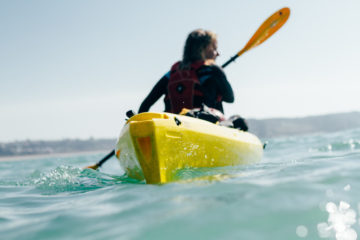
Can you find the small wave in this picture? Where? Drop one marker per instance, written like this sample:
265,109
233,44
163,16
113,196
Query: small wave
206,174
71,179
349,145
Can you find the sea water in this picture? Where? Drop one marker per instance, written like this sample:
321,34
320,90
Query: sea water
305,187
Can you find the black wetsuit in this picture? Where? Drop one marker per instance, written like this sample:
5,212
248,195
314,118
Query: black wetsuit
213,83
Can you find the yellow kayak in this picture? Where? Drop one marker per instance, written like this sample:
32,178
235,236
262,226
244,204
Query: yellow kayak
155,146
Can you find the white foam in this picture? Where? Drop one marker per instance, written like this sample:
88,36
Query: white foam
352,144
329,147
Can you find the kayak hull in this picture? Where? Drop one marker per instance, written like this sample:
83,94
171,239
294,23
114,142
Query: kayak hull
155,146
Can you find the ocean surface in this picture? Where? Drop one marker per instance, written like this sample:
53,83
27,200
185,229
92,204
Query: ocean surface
306,187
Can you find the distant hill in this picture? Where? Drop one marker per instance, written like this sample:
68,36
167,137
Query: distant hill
276,127
264,128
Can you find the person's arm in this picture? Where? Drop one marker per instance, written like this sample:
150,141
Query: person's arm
158,90
223,85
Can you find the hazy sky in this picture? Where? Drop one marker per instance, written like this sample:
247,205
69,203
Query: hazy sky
71,69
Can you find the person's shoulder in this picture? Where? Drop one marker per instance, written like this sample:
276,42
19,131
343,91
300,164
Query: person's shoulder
175,65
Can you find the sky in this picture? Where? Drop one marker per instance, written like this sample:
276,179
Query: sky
71,69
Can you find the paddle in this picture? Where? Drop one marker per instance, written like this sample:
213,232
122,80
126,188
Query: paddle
266,30
101,162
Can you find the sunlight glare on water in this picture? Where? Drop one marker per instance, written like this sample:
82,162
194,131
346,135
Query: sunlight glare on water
340,220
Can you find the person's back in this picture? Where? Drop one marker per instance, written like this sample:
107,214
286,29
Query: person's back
184,87
195,80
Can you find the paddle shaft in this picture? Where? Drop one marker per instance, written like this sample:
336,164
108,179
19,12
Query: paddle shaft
232,59
101,162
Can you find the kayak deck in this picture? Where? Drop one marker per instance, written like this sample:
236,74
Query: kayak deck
155,146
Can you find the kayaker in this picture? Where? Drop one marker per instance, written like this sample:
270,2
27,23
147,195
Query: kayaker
194,81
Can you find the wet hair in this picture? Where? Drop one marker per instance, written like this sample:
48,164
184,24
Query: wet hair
195,44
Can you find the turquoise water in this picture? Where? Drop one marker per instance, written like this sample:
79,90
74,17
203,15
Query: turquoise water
305,188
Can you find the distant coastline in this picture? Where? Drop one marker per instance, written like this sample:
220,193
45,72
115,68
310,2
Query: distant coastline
46,155
264,128
277,127
46,148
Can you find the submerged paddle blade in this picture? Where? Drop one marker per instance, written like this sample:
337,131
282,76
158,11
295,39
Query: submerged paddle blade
95,167
268,28
101,162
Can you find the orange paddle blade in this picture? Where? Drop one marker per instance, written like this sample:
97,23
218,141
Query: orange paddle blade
268,28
